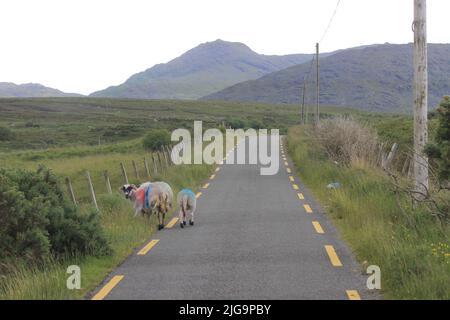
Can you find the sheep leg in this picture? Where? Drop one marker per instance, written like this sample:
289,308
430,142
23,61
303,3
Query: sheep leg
161,225
181,217
191,220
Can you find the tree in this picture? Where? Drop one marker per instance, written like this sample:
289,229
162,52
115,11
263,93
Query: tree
440,149
156,139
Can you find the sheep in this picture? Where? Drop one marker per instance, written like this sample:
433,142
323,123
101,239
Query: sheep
187,202
150,197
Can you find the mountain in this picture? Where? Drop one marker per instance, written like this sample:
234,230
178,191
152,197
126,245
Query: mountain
205,69
30,90
377,77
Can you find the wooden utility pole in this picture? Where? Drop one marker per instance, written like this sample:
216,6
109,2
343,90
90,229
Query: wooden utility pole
420,96
317,84
303,120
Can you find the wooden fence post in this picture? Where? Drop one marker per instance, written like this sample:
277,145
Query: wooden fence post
380,159
165,157
391,156
411,168
91,189
147,171
124,173
155,166
70,191
169,157
107,181
405,166
160,160
136,172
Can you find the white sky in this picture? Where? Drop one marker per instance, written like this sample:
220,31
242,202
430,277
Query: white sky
87,45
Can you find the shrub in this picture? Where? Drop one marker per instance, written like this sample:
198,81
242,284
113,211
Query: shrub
155,139
6,134
347,141
31,124
256,124
236,123
440,149
37,222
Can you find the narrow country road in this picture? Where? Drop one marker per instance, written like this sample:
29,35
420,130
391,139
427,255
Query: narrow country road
255,237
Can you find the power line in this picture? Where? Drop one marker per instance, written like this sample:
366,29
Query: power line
331,21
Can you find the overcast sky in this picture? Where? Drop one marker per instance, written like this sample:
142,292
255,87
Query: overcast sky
87,45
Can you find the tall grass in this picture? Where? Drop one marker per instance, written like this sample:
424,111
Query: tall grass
410,248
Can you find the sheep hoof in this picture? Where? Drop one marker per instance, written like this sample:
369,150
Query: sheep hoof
184,222
182,226
191,223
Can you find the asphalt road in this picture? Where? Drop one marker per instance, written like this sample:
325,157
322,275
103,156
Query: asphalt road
253,239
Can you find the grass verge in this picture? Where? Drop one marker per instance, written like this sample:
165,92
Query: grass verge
411,249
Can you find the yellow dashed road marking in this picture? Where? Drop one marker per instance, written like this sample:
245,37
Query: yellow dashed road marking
198,195
147,248
212,177
295,187
289,170
308,208
206,186
291,178
333,256
107,288
353,295
286,163
301,196
318,227
217,170
172,223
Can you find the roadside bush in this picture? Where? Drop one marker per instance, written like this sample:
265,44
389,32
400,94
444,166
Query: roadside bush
347,141
6,134
440,149
37,222
155,139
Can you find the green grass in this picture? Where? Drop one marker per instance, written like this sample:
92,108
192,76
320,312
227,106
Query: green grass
61,122
49,123
366,213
